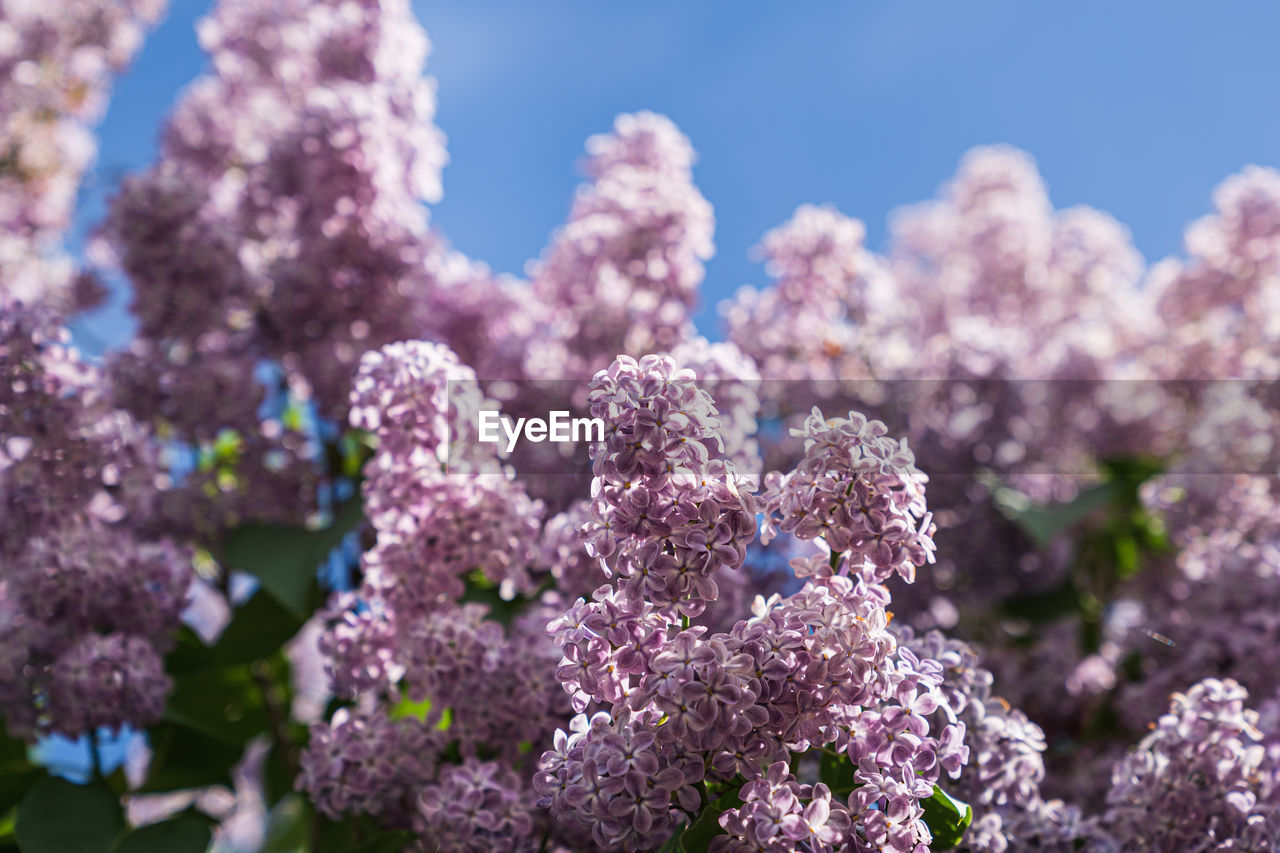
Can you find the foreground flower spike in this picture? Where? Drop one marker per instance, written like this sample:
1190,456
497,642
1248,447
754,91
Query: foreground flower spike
668,510
860,491
440,501
815,670
1000,759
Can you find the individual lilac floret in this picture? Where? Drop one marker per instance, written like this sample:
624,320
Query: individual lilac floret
859,490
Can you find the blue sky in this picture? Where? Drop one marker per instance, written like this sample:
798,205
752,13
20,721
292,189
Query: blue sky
1138,108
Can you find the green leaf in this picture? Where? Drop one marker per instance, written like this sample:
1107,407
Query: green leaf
11,749
385,842
1045,523
697,836
285,560
15,784
17,774
57,816
1132,470
191,654
289,827
224,703
406,707
1127,555
947,819
836,771
258,629
278,776
184,757
186,833
1045,606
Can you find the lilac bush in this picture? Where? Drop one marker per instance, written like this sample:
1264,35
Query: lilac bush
969,543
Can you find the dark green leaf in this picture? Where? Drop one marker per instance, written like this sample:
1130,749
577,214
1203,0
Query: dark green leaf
190,654
1133,471
1044,523
278,776
184,757
947,819
258,629
223,703
59,817
697,837
384,842
17,774
15,784
836,771
286,559
289,826
11,749
672,844
1045,606
186,833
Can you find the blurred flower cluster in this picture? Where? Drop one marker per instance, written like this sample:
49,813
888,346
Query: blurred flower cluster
970,543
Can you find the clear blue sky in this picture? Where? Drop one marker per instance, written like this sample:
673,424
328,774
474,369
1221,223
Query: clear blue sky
1138,108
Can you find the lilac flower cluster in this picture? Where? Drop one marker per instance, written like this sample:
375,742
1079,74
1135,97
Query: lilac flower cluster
666,513
733,382
366,762
283,225
1005,765
774,817
443,513
1203,779
816,670
429,475
860,491
477,807
90,601
623,273
997,297
55,71
1216,309
816,324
